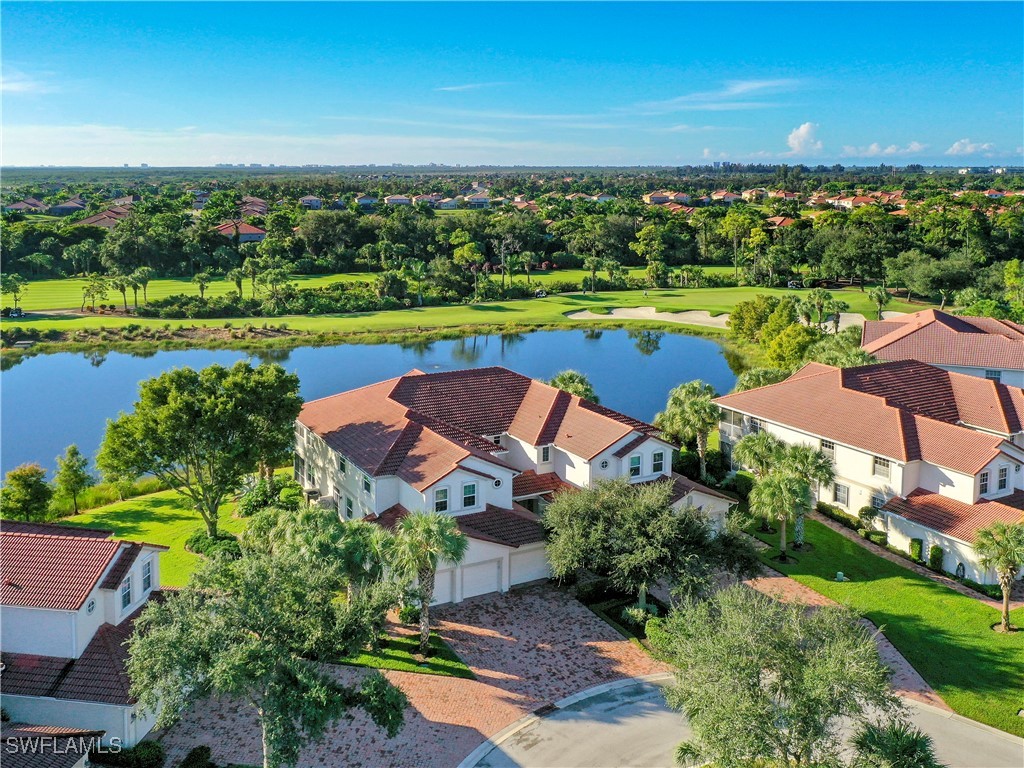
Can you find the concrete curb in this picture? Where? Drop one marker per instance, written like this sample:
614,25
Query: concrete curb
945,713
510,730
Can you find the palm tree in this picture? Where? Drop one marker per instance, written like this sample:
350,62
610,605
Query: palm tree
527,260
202,279
142,276
363,550
236,276
416,270
814,468
836,307
120,283
511,263
779,496
895,744
690,415
1001,547
422,540
819,299
592,264
759,451
575,383
880,296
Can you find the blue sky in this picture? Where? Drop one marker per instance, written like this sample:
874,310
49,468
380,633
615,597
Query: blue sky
517,83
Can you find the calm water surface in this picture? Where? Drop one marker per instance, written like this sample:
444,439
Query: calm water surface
50,401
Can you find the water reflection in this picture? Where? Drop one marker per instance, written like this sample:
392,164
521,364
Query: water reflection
647,342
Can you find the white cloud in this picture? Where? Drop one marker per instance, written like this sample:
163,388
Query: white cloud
723,98
16,82
968,147
877,150
803,140
470,86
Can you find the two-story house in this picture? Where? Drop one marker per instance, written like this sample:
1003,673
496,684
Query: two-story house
68,601
939,454
977,346
488,446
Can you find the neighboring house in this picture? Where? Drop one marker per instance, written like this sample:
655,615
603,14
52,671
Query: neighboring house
68,601
854,201
366,201
397,200
992,193
246,233
487,446
28,205
603,197
47,746
447,204
478,200
976,346
938,453
773,222
68,207
658,198
253,206
311,202
424,199
107,219
200,197
754,195
127,200
725,196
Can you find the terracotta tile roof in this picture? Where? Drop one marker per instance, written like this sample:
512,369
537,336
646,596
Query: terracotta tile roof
98,675
50,748
56,566
121,566
936,337
632,444
529,483
684,486
229,228
389,517
508,527
823,401
956,518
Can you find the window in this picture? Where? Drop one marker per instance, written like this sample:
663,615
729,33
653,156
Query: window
659,463
634,466
841,494
604,464
983,482
496,439
877,500
90,607
994,375
366,484
545,454
828,448
126,593
310,476
300,468
147,576
756,425
441,500
880,467
1002,478
468,495
342,465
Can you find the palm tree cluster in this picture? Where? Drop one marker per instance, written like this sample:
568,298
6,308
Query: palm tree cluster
689,415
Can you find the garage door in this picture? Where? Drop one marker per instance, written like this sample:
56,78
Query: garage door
444,587
529,566
481,579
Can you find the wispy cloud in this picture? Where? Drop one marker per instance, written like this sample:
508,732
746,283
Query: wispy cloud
14,81
968,147
410,123
471,86
875,149
725,98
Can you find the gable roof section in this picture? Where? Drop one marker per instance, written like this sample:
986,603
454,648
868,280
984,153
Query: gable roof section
529,483
956,518
939,338
816,400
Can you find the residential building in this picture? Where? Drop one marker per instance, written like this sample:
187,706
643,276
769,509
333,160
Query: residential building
447,204
754,195
976,346
603,197
68,207
659,197
245,233
489,447
478,200
126,200
366,201
68,601
253,206
398,200
47,746
937,453
311,202
725,196
28,205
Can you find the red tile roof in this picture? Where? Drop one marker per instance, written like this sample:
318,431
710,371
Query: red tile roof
55,566
529,483
939,338
229,229
98,675
956,518
508,527
825,401
53,746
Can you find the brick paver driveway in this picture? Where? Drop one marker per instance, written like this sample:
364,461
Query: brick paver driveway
528,647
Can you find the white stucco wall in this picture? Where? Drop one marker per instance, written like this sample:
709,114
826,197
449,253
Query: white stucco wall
39,631
116,721
1008,376
901,531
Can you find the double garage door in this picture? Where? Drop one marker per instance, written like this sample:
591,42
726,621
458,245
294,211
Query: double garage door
477,579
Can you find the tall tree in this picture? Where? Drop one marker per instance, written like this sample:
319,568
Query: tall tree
759,451
814,468
13,285
142,277
880,297
575,383
1001,548
72,476
691,415
780,496
25,494
202,431
423,541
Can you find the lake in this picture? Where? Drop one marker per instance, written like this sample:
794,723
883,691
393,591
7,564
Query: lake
51,401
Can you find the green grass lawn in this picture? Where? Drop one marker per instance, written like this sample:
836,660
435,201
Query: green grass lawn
946,636
159,518
547,311
398,654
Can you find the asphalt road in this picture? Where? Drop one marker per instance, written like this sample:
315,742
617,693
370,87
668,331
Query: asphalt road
632,727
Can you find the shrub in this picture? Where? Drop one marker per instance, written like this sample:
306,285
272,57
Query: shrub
562,286
936,556
200,542
740,484
917,550
145,754
593,591
862,532
409,614
834,513
867,514
198,757
635,617
881,538
262,495
991,590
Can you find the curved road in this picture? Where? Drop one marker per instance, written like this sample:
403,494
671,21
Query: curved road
632,726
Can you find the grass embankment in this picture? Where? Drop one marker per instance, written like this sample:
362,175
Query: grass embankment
946,636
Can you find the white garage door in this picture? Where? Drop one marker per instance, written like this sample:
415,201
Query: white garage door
529,566
444,587
481,579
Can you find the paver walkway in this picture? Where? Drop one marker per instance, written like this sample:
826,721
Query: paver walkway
528,647
1016,595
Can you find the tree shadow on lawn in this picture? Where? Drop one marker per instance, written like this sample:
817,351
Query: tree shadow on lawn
127,521
491,308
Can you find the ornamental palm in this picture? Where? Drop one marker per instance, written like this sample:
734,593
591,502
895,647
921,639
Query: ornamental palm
416,270
690,415
1001,547
575,383
759,451
880,296
815,468
895,744
779,496
422,540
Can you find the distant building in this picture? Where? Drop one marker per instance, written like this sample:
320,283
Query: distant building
28,205
68,207
245,233
397,200
311,202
